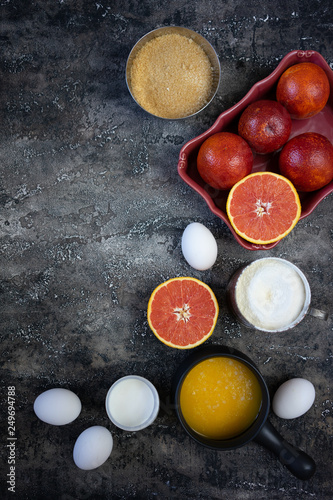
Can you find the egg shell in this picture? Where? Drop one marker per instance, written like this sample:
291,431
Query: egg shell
57,406
199,246
93,447
293,398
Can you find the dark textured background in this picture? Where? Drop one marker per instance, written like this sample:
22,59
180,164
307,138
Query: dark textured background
92,213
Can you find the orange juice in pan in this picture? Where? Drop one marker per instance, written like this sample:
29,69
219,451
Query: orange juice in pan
220,398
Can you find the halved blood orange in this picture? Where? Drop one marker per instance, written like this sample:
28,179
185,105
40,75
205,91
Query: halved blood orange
263,207
182,312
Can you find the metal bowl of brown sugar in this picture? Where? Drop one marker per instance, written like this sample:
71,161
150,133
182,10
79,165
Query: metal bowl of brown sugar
173,72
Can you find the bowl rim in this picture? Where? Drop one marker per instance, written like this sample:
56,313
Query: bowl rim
226,117
150,35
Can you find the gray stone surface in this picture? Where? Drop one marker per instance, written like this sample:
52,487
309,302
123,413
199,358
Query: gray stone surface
91,218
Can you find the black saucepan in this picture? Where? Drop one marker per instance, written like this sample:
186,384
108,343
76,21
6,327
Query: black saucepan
261,431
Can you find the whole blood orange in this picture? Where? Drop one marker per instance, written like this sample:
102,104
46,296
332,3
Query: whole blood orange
303,89
307,161
265,125
223,159
263,207
182,312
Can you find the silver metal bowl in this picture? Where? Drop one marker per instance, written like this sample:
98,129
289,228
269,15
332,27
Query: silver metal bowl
200,40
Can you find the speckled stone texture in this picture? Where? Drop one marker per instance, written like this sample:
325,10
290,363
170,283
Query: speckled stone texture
91,216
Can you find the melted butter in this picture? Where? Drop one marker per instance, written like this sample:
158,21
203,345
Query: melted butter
220,398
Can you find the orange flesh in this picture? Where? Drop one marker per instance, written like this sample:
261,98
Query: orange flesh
220,398
182,312
263,207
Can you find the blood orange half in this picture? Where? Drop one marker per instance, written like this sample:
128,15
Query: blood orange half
182,312
263,207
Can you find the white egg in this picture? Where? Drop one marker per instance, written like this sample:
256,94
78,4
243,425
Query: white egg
57,406
293,398
199,246
93,447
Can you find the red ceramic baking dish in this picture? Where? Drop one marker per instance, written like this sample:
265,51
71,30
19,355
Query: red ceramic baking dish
228,120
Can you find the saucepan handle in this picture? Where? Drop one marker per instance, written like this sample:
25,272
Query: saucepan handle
296,461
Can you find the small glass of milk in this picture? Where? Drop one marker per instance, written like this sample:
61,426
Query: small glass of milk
270,294
132,403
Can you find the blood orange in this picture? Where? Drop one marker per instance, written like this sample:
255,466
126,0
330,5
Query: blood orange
182,312
265,125
223,159
263,207
303,89
307,161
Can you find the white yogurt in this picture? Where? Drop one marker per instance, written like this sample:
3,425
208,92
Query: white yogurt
272,294
132,403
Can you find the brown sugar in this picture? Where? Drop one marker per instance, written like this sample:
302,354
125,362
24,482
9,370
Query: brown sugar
171,76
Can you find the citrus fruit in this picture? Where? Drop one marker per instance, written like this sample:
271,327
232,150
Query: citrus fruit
182,312
263,207
307,161
265,125
223,159
303,89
